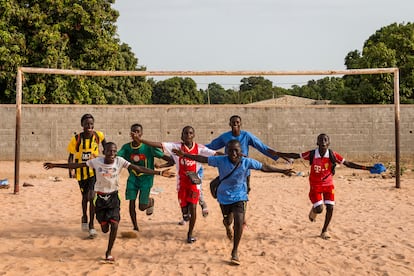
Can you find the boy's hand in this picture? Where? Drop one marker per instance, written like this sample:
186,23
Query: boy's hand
167,173
178,152
47,166
289,172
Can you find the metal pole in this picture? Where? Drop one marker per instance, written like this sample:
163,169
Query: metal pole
18,124
397,127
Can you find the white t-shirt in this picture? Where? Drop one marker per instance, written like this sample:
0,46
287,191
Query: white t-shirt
107,175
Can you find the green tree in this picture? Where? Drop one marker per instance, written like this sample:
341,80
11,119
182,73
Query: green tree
177,91
68,35
255,89
215,94
391,46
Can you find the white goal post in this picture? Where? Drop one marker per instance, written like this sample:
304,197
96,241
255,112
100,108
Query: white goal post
31,70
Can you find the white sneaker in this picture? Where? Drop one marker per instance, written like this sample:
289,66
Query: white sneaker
92,233
85,226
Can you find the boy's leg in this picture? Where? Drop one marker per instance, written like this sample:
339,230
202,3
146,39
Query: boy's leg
133,215
112,214
84,204
227,219
112,237
145,201
328,217
238,213
192,207
92,231
131,193
315,197
193,195
329,200
91,196
203,203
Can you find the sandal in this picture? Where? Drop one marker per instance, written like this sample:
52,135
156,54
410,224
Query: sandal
205,212
325,235
191,239
150,209
235,260
108,260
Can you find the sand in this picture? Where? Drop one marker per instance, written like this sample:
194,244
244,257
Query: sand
372,229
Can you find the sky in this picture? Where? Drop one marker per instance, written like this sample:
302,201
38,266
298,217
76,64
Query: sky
260,35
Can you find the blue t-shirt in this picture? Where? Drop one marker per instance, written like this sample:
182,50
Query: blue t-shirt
245,138
233,188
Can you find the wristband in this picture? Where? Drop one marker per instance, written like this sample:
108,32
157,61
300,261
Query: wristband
160,172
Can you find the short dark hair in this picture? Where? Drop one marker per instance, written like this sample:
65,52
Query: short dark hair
107,144
233,142
235,117
187,127
87,116
136,125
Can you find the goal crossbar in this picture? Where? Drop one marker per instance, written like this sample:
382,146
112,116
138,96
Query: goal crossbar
92,73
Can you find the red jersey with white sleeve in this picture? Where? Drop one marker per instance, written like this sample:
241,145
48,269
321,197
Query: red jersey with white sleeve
321,167
186,164
187,192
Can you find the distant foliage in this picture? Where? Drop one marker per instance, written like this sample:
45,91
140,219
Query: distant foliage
82,35
66,35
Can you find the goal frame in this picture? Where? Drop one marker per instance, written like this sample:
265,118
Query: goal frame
91,73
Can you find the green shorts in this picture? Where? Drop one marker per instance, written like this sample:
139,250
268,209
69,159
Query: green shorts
141,184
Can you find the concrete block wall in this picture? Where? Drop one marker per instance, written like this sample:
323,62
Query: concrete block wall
359,132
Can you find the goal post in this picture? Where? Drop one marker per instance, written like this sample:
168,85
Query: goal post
92,73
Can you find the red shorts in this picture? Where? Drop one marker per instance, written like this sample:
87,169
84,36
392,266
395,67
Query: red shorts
317,193
188,193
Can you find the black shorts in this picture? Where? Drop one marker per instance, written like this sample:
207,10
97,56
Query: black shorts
237,207
107,207
87,185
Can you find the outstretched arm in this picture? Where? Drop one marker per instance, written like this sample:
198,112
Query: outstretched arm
269,168
70,160
357,166
198,158
284,154
140,169
48,166
139,140
170,162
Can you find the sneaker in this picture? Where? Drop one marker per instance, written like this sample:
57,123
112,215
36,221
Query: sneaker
312,215
186,217
182,222
92,233
150,209
85,227
204,210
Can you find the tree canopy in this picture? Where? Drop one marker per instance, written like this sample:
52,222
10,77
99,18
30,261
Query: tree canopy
83,35
67,35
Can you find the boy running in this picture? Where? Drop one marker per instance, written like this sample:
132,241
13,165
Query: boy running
83,147
107,201
142,155
188,193
322,169
232,193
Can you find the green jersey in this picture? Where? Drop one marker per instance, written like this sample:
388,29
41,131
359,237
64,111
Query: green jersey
142,155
